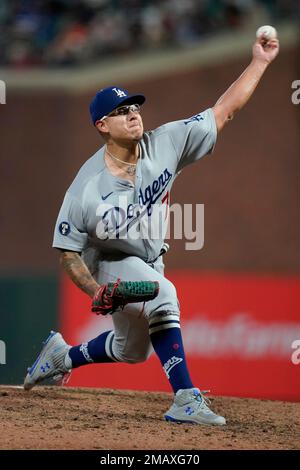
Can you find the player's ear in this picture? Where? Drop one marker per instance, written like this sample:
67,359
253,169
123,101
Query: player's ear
102,126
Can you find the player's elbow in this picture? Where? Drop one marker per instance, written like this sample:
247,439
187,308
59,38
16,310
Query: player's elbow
222,116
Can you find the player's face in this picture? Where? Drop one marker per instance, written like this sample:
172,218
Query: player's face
124,124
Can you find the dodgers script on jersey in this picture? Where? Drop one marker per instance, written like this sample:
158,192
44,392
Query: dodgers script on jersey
109,217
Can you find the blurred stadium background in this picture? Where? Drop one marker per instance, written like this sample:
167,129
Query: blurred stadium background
54,55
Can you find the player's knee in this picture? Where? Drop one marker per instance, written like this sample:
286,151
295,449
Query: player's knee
167,308
167,294
136,351
138,358
168,289
135,358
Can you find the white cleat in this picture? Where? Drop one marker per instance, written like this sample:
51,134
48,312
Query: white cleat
50,362
190,406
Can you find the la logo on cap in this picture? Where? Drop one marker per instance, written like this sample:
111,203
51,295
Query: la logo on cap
120,93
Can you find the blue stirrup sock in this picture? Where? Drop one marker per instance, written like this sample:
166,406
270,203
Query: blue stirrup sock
91,352
168,345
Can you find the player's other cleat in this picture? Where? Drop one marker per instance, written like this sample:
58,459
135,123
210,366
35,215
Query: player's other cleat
190,406
50,362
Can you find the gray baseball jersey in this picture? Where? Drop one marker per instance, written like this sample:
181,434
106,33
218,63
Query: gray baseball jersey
110,217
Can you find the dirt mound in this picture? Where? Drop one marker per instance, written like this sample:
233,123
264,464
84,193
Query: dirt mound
82,418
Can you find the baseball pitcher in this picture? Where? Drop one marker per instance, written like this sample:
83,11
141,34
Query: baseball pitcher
104,233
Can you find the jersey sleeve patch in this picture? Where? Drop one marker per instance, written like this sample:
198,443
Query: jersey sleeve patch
64,228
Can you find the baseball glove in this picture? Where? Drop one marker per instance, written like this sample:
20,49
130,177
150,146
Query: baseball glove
117,294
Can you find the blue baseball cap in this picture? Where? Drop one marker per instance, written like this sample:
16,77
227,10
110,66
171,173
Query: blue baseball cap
108,99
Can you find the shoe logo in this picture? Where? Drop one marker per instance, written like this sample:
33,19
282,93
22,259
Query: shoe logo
45,367
168,366
105,197
189,411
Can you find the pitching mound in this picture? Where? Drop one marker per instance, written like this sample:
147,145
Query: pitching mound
82,418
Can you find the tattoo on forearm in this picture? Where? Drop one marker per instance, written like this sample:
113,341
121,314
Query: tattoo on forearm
78,272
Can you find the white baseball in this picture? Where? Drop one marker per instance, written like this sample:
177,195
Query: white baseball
268,32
